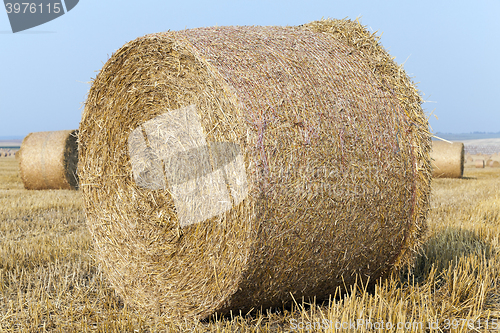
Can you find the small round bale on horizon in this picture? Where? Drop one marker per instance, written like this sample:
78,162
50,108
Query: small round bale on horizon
494,164
448,159
479,163
48,160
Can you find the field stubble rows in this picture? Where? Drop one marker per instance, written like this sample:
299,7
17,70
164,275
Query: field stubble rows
49,280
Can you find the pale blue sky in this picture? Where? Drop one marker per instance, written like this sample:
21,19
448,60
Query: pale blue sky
451,48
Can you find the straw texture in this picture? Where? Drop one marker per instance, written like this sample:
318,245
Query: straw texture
48,160
228,168
448,159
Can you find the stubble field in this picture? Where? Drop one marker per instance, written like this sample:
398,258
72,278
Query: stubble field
49,280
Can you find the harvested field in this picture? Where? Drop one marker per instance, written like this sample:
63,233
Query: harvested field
50,282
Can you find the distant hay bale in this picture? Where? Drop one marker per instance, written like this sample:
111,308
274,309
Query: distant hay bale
494,164
228,168
48,160
479,163
448,159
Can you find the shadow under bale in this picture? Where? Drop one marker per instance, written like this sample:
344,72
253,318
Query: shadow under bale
445,249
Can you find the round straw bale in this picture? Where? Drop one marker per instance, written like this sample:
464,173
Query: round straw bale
48,160
479,163
228,168
494,164
448,159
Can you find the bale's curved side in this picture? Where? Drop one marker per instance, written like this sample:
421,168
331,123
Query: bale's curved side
48,160
448,159
393,79
335,175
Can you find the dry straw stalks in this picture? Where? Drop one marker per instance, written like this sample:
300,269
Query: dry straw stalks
312,136
448,159
48,160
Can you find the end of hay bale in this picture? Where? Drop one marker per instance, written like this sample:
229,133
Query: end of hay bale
71,159
448,159
48,160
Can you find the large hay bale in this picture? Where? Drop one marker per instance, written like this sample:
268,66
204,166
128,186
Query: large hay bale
48,160
228,168
448,159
